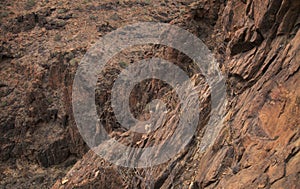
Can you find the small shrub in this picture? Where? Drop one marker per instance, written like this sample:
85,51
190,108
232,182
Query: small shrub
61,11
30,4
86,1
69,56
3,103
74,62
298,100
57,37
50,100
44,3
93,17
123,64
147,2
3,14
54,54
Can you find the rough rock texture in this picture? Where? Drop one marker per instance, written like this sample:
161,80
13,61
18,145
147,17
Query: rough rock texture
258,46
256,43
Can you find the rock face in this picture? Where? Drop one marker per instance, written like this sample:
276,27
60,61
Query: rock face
256,43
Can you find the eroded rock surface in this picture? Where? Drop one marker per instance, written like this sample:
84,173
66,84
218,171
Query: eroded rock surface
255,42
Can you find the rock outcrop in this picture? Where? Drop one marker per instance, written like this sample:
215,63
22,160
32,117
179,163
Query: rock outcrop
257,44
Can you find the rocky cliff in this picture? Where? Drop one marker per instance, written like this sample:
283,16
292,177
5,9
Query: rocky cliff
255,42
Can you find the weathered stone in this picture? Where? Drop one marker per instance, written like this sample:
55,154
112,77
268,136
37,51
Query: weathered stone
256,43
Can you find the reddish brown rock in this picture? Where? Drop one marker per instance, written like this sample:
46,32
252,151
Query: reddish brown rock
256,43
